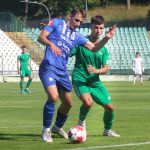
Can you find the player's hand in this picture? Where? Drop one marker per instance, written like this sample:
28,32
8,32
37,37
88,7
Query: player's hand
133,69
91,69
111,32
55,49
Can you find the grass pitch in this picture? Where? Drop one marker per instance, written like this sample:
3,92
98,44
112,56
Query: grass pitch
21,119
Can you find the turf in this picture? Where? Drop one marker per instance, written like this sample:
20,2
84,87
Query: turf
21,119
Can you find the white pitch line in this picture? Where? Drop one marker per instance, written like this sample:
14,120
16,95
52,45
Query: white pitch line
111,146
15,106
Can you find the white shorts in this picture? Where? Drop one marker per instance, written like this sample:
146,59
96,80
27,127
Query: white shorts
138,71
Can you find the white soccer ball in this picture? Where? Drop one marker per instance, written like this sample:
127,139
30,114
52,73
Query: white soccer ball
77,134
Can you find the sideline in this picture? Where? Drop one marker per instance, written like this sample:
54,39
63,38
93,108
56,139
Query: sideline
111,146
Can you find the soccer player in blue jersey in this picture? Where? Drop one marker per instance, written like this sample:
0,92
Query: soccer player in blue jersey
85,78
60,37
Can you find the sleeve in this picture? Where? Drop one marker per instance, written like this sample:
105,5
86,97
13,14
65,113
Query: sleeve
51,25
73,51
18,57
81,40
106,57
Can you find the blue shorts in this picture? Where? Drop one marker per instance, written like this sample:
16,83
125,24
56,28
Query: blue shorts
55,76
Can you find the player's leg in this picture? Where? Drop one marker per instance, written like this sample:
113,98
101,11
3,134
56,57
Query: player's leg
29,75
141,79
49,83
48,112
108,119
102,97
22,85
87,103
62,114
134,79
83,92
22,75
65,88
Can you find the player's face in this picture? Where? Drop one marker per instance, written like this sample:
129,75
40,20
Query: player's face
24,50
75,21
97,30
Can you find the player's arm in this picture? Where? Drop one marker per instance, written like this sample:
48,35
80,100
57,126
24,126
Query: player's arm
18,65
102,70
43,38
109,34
133,65
29,64
142,64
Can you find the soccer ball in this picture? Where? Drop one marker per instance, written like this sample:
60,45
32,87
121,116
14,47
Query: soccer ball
77,134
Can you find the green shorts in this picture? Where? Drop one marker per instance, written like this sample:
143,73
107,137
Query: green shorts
99,93
25,73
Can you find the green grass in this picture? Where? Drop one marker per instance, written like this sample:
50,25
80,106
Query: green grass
21,118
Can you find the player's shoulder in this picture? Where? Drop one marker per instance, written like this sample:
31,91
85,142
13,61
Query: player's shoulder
19,55
27,54
55,21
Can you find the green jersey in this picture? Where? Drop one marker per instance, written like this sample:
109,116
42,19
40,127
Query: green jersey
85,57
24,59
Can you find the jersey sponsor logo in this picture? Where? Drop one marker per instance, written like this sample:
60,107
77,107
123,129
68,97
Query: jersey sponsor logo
100,53
50,79
66,39
109,97
50,22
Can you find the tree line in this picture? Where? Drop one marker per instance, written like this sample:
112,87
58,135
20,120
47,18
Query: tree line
58,7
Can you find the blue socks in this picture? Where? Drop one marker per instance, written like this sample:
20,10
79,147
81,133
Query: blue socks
48,113
60,119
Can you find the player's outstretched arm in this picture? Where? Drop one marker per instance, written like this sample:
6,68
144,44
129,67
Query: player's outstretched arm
43,38
95,47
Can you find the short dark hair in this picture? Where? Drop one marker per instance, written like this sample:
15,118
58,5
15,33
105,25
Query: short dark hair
137,53
97,20
76,11
23,46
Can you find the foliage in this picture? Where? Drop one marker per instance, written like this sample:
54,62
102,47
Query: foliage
57,7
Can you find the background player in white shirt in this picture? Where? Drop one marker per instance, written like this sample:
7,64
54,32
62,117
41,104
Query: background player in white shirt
138,67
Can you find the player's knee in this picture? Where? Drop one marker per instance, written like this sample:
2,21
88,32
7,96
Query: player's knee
53,97
69,104
109,108
88,103
30,78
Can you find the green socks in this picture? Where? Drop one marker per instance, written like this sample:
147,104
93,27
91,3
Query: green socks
21,85
83,112
29,83
108,119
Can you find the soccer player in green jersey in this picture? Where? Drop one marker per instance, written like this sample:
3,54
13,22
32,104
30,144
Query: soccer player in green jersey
24,69
87,85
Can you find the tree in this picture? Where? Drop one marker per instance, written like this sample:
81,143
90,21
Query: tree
128,4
